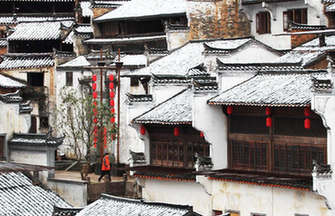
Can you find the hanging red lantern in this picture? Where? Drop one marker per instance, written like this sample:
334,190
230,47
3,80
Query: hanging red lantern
111,103
201,134
95,94
95,145
112,110
307,111
142,130
307,123
95,120
95,139
111,77
94,77
113,120
111,85
111,94
176,131
267,111
229,110
268,122
95,103
94,86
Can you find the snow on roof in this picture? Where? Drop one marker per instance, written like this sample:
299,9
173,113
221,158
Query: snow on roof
80,61
137,60
175,110
45,30
84,29
314,45
227,44
293,89
3,42
299,56
86,9
18,19
111,205
69,38
7,82
330,8
19,196
28,61
125,39
145,8
35,140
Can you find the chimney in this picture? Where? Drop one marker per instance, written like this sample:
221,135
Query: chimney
322,40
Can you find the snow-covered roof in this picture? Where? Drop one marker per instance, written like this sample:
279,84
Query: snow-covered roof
290,89
314,45
7,82
134,60
175,110
110,205
18,19
84,29
330,8
124,40
3,42
80,61
35,140
227,44
86,9
19,196
26,61
45,30
145,8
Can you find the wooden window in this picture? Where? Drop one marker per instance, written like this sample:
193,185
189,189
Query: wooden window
248,124
35,79
294,15
69,78
134,81
2,148
263,22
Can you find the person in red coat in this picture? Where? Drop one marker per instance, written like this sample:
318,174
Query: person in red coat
105,167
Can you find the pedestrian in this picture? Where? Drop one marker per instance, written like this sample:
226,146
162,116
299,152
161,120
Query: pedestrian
105,167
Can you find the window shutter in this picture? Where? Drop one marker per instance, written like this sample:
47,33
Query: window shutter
258,23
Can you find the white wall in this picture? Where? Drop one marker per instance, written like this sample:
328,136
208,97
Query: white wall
177,38
314,17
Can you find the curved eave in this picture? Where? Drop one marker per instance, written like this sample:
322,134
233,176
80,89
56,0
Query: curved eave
258,104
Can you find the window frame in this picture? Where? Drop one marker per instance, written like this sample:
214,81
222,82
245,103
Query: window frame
287,19
263,22
69,78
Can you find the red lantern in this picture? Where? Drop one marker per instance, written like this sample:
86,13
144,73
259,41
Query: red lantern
95,120
142,130
307,123
229,110
113,120
176,131
94,77
111,85
111,77
94,86
95,145
112,110
94,103
111,94
95,94
307,111
201,134
111,103
268,122
267,111
95,140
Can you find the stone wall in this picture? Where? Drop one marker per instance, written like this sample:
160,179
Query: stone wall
216,19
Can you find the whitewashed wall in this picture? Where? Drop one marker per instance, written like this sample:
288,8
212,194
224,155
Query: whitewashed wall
314,17
177,38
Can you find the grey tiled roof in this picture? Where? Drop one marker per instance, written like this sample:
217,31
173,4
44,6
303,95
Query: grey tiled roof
292,89
175,110
58,211
3,42
139,98
108,4
20,197
35,140
298,26
45,30
17,19
26,61
260,67
110,205
11,97
225,46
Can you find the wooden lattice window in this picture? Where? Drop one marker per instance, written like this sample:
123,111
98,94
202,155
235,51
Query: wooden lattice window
294,15
263,22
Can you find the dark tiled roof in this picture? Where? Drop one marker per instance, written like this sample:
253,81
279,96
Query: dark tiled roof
328,1
17,167
20,197
322,84
198,71
164,173
35,140
25,107
298,26
11,97
26,61
109,205
175,110
139,98
138,157
58,211
225,46
291,89
3,42
161,80
263,179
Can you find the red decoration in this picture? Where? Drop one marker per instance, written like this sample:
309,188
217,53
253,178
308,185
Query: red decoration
95,120
111,77
307,111
113,120
142,130
268,122
95,140
113,110
95,145
267,111
307,123
176,131
95,111
111,103
201,134
111,85
229,110
94,103
95,94
94,86
111,94
94,77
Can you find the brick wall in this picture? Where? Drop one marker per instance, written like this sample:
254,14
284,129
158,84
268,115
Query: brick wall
217,19
297,40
